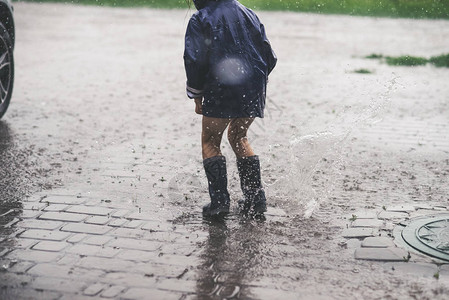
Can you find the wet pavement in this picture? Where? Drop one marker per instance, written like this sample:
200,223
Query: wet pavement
102,181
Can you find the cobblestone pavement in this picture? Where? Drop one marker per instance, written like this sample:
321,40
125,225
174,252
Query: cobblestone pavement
103,183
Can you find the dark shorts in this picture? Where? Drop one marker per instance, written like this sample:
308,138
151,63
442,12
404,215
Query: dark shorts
234,106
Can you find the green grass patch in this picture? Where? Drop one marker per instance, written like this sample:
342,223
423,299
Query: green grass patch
434,9
406,60
374,56
363,71
440,61
123,3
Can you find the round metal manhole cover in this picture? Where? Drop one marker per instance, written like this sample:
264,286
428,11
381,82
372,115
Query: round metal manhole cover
429,235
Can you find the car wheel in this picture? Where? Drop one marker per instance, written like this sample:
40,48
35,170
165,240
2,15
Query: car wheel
6,69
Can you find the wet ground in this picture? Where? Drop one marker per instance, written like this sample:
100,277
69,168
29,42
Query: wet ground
102,180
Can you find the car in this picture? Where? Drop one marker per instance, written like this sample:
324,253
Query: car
7,40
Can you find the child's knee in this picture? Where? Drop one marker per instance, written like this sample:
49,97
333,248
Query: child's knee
236,141
233,137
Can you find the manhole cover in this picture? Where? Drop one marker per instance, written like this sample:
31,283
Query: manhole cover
429,235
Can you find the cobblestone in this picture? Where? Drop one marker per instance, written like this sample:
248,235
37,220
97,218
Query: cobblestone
30,214
389,215
381,254
94,289
133,224
358,232
157,226
90,210
423,206
367,223
44,235
56,207
86,228
353,243
34,256
76,238
33,205
401,208
173,237
64,200
106,264
144,293
156,269
91,250
25,243
58,284
117,222
120,213
65,271
377,242
21,267
138,255
141,216
129,233
365,214
62,216
98,240
97,220
50,246
67,296
135,244
131,279
69,259
113,291
40,224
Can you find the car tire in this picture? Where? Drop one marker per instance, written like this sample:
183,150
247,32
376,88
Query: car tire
6,69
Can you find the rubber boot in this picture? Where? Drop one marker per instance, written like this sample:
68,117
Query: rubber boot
215,168
251,184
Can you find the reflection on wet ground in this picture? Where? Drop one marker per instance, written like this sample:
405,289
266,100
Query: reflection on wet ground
9,183
225,260
239,253
9,177
20,174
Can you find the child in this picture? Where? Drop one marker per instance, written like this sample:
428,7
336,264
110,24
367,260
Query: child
228,59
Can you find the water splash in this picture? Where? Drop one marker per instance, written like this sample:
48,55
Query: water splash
313,161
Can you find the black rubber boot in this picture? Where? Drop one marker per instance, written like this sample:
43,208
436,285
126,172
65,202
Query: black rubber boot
217,178
251,184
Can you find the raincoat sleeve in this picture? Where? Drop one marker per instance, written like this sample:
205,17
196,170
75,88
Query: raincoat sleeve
270,56
195,59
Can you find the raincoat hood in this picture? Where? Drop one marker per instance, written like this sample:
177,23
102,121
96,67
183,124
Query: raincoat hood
200,4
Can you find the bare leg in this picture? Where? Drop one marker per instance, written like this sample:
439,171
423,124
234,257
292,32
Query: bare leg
237,136
215,166
212,134
248,165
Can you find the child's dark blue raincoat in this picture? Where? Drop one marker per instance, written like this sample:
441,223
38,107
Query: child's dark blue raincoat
227,59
